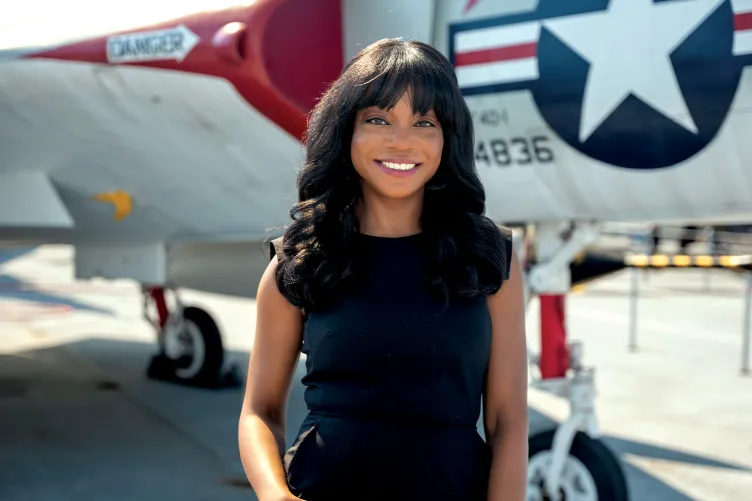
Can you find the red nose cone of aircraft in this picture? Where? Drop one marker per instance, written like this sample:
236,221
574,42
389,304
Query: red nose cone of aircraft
279,54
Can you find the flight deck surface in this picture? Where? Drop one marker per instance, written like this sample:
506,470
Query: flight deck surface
80,421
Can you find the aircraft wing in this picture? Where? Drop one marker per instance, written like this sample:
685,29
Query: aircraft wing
162,123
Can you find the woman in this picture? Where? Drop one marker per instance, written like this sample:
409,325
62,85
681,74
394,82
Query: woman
406,300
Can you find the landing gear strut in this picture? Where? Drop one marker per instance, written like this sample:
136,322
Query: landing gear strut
569,462
189,342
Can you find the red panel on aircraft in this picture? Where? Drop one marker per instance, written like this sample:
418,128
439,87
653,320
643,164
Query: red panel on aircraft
279,54
297,31
743,21
496,55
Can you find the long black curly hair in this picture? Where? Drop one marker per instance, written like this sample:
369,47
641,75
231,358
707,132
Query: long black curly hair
465,254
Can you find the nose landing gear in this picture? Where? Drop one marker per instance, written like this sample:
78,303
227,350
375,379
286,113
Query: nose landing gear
569,462
190,344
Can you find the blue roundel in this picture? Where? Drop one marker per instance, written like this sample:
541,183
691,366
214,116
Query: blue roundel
636,135
647,114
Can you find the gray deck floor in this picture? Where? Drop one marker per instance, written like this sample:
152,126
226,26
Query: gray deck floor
79,421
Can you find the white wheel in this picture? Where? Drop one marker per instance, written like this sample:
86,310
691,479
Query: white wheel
576,481
195,347
591,471
187,348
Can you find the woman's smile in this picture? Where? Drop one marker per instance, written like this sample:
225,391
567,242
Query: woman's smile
398,168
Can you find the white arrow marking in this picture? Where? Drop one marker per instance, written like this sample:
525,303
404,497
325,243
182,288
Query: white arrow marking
159,45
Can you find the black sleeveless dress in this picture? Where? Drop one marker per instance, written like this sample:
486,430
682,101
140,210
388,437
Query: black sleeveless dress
393,387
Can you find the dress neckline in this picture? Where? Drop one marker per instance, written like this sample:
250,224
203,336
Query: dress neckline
385,238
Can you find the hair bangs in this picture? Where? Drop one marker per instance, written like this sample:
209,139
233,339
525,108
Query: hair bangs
407,70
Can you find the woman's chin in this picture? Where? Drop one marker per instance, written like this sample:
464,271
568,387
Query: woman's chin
404,192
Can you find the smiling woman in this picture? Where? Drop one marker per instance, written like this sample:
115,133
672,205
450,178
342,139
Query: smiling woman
404,145
405,298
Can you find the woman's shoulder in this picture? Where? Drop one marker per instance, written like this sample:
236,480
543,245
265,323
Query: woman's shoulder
496,242
508,240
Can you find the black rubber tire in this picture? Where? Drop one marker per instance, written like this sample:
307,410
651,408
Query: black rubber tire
603,465
210,372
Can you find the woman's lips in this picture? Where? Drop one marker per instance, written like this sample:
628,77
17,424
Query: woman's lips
398,168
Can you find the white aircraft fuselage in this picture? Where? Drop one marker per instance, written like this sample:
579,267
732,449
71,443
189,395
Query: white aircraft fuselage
174,136
162,140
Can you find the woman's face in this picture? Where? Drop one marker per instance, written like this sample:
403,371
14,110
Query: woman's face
396,152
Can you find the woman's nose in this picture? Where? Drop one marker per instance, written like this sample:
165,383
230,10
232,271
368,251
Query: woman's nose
400,139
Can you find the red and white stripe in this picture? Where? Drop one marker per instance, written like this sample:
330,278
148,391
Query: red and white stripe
497,55
742,26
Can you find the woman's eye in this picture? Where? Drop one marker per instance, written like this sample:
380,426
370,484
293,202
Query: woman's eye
376,121
426,123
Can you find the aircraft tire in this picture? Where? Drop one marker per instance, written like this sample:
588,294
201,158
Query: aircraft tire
207,346
591,469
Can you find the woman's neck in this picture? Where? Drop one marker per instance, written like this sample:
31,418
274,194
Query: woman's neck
389,217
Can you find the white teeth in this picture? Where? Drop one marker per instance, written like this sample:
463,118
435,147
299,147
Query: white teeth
395,166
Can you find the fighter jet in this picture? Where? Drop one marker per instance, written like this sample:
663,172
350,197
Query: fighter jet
162,142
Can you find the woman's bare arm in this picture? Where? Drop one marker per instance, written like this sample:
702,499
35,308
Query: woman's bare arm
261,429
505,401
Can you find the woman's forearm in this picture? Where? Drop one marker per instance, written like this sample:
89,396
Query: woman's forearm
508,478
261,444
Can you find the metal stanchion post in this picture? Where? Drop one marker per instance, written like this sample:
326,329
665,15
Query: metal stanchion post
634,295
710,245
747,325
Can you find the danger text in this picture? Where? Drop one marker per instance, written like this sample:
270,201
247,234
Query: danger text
163,45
